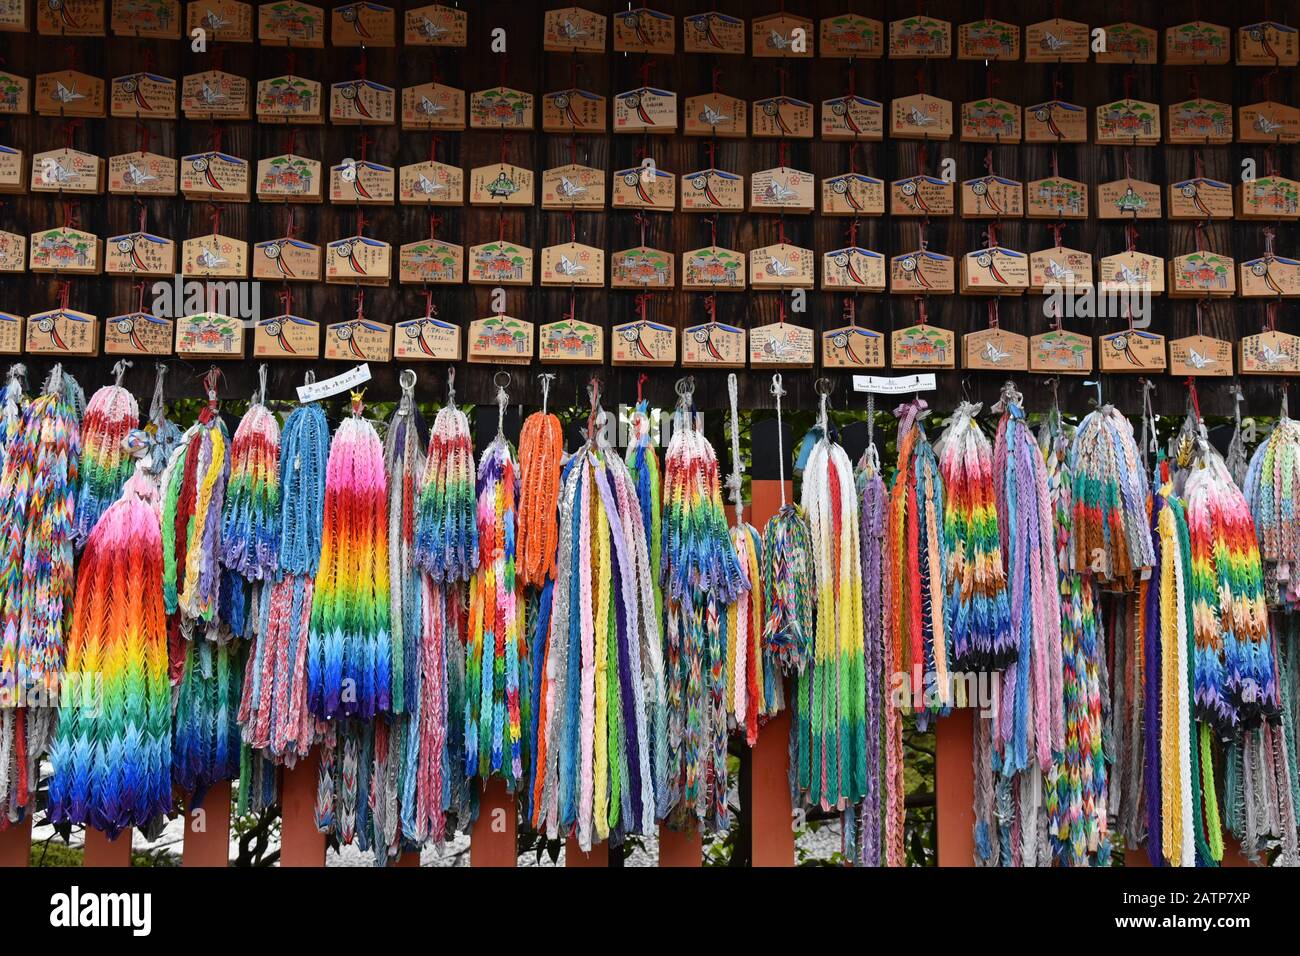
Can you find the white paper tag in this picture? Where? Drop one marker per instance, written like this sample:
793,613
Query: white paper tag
332,386
894,385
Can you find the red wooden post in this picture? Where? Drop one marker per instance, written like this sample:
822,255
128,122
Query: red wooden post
409,859
210,845
100,851
301,844
492,838
573,855
954,787
16,843
680,848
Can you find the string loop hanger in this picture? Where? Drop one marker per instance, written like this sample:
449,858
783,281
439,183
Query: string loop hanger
406,381
823,387
778,392
735,482
546,378
501,379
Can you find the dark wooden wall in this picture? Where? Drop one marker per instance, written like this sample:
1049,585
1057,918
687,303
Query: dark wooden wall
531,69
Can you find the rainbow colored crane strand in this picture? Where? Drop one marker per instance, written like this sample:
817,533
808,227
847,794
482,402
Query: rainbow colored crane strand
976,613
250,532
112,758
349,649
13,766
446,538
205,739
111,414
1272,483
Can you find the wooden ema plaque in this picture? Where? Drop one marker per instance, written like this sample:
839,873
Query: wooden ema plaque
1056,121
1128,199
774,35
287,259
1059,267
921,196
990,120
1128,123
501,108
853,194
70,18
213,175
920,117
573,187
358,259
1060,352
433,106
64,250
1130,272
1269,197
67,171
995,350
713,345
500,263
571,341
642,30
1057,41
853,347
289,178
11,333
500,184
228,21
436,25
574,111
1199,122
992,197
853,269
573,30
501,339
713,269
151,19
1132,350
988,40
645,110
995,270
1267,44
140,254
426,339
15,94
359,340
62,332
286,337
1269,276
1128,43
69,93
14,16
713,33
362,102
138,333
214,95
12,167
291,24
781,266
1268,122
362,182
713,190
641,268
13,252
782,189
643,342
921,273
214,256
430,183
782,117
644,187
1197,43
1200,198
1056,198
1269,353
714,114
852,118
431,262
920,37
922,346
1200,355
364,25
1199,274
289,99
146,95
782,345
851,35
572,263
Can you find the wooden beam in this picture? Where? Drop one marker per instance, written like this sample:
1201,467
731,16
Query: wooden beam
772,816
954,787
207,829
492,838
100,851
411,858
301,844
16,843
680,848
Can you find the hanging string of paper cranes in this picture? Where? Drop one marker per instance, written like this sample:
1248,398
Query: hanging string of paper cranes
597,629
